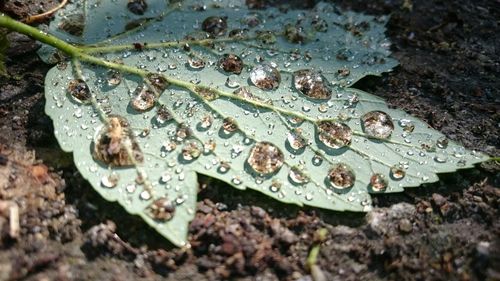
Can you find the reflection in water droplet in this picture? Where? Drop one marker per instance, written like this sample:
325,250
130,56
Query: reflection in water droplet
398,172
407,125
143,100
231,63
79,91
244,92
334,134
377,124
114,140
191,150
161,209
295,139
229,125
113,78
110,180
442,142
341,176
206,93
275,185
215,26
298,176
378,182
182,132
266,77
206,121
196,63
223,167
265,158
163,115
158,82
209,146
311,84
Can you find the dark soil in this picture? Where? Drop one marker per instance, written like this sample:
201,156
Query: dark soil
450,64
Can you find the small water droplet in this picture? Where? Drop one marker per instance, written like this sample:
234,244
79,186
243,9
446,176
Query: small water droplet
79,91
398,172
440,158
145,195
311,84
223,167
191,150
407,125
442,142
161,209
143,99
334,134
110,180
229,125
231,63
163,115
297,175
196,63
378,182
215,26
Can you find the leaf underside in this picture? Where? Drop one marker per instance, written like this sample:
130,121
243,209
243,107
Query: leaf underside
339,47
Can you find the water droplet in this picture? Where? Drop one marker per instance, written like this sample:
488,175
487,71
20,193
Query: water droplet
145,195
295,33
163,115
113,78
265,158
231,63
275,185
209,146
345,54
232,81
110,180
191,150
206,121
79,91
244,92
196,63
317,160
407,125
223,167
377,124
143,99
236,180
265,76
165,177
398,172
215,26
161,209
169,146
182,132
114,140
137,7
378,182
334,134
229,125
311,84
319,24
297,175
440,158
442,142
158,82
341,176
295,139
206,93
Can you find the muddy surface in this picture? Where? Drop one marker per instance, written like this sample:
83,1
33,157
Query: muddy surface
450,230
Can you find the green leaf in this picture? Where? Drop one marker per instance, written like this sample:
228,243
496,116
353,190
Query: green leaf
269,109
4,44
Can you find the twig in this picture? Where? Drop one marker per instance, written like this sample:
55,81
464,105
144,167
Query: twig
43,16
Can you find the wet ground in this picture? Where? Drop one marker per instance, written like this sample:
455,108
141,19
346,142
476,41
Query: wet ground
450,230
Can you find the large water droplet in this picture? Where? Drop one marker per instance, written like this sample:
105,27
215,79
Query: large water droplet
378,182
311,84
215,26
265,76
79,91
377,124
161,209
265,158
341,176
114,140
334,134
231,63
143,100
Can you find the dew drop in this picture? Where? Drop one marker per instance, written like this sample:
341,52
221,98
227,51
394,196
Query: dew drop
398,172
407,125
206,93
182,132
377,124
298,176
224,167
440,158
143,99
113,78
110,180
311,84
296,140
161,209
229,125
209,146
163,115
137,7
145,195
236,180
378,182
114,140
341,176
317,160
265,76
169,146
275,185
232,81
191,150
165,177
442,142
334,134
79,91
215,26
265,158
158,82
196,63
231,63
244,92
206,121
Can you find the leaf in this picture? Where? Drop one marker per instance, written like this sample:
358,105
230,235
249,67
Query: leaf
4,44
257,99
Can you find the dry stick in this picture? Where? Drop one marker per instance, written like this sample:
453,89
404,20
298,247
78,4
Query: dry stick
43,16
